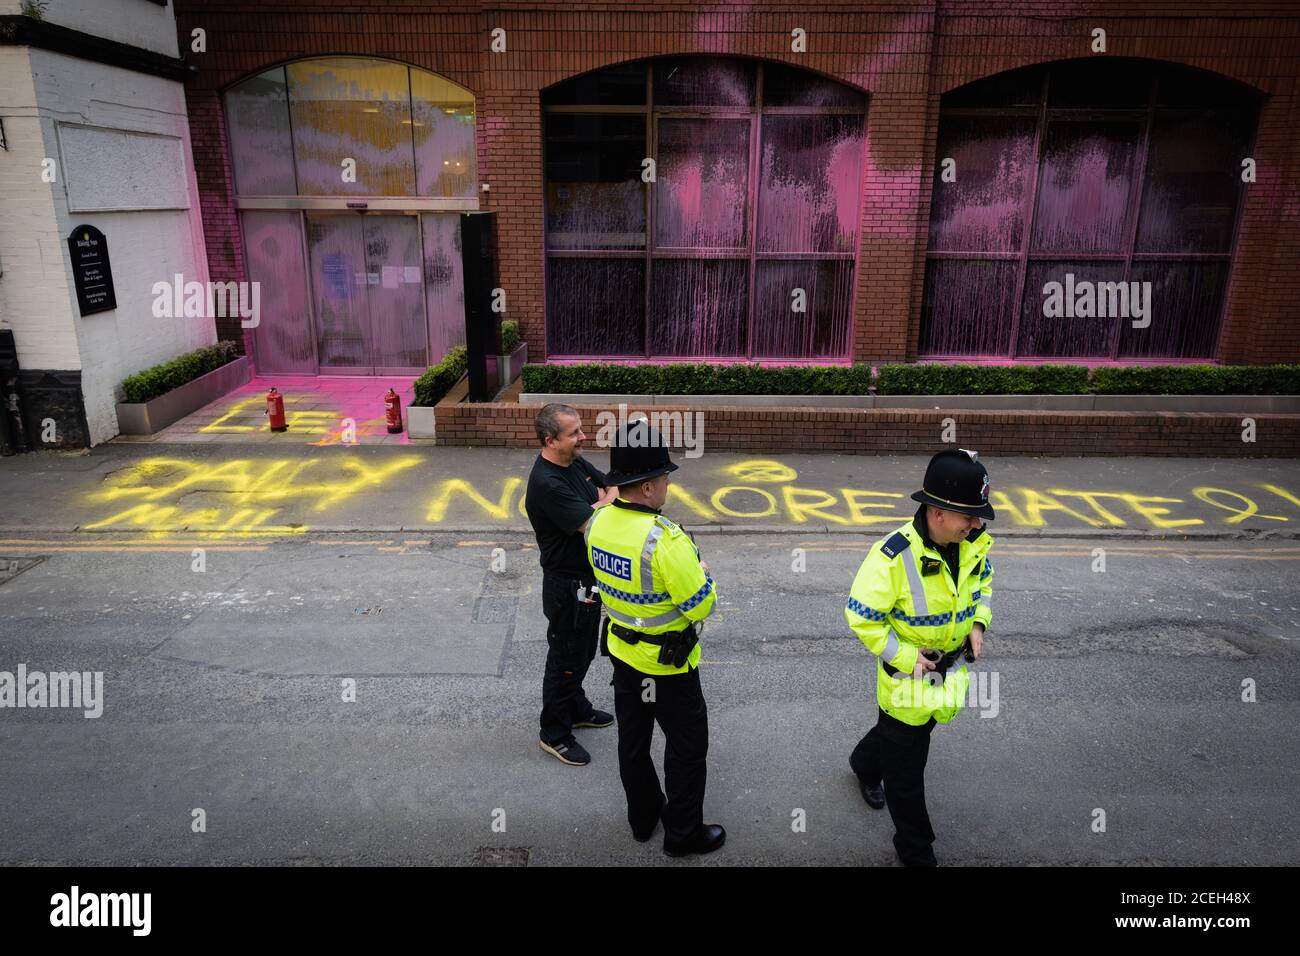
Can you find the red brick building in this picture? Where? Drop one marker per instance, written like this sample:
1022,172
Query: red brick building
798,153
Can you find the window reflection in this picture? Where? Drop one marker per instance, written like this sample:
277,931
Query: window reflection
257,117
351,126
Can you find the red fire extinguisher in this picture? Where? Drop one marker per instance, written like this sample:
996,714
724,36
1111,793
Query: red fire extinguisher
275,410
393,412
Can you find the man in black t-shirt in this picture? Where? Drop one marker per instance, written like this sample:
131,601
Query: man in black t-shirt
563,493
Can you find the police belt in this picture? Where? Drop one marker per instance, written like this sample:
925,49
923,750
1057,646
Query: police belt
674,646
635,637
942,665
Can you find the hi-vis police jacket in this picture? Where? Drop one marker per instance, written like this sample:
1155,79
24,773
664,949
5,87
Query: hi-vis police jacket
896,609
650,580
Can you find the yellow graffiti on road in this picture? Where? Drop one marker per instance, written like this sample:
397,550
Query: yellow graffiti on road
499,509
249,497
764,489
250,490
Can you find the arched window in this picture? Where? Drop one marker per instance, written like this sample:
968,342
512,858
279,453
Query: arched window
1085,209
315,142
349,126
701,207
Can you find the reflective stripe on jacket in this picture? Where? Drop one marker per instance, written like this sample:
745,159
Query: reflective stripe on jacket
650,580
895,608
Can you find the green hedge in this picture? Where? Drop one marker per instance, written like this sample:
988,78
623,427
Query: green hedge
438,380
933,379
1198,380
509,336
698,379
162,378
918,379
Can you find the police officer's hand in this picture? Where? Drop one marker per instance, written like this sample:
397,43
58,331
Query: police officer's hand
976,640
923,664
704,566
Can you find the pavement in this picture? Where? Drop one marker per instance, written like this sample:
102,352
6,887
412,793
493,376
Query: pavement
318,410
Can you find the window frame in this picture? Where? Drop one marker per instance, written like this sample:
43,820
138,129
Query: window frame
748,250
1146,115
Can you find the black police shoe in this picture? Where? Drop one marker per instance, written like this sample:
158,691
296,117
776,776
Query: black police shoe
709,838
567,751
875,796
598,718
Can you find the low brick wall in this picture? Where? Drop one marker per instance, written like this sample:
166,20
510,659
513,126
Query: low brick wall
855,431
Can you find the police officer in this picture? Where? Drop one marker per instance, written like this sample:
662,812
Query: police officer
656,593
921,603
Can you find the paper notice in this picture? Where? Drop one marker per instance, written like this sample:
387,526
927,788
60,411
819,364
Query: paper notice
392,277
411,274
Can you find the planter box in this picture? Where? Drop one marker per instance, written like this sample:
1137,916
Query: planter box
1254,404
1019,403
420,421
147,418
511,365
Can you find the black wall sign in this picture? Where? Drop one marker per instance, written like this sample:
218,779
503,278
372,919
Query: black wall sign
90,270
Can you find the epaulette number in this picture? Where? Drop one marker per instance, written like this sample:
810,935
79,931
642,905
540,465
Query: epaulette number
895,545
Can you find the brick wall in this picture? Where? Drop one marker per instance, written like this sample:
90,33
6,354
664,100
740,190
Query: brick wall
905,54
881,432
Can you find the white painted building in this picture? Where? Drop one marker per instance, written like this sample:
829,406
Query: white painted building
95,133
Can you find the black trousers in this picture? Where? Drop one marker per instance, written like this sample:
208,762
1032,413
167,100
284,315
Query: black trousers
677,703
896,753
571,627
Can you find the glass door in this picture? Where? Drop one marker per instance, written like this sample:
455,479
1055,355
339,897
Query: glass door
283,336
368,294
338,284
398,329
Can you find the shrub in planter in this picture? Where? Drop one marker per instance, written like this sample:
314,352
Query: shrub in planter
438,380
162,378
1197,380
509,336
935,379
917,379
700,378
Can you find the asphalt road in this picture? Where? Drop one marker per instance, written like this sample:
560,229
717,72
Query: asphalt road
1118,691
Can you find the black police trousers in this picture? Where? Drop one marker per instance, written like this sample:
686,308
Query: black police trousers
571,631
677,703
896,753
